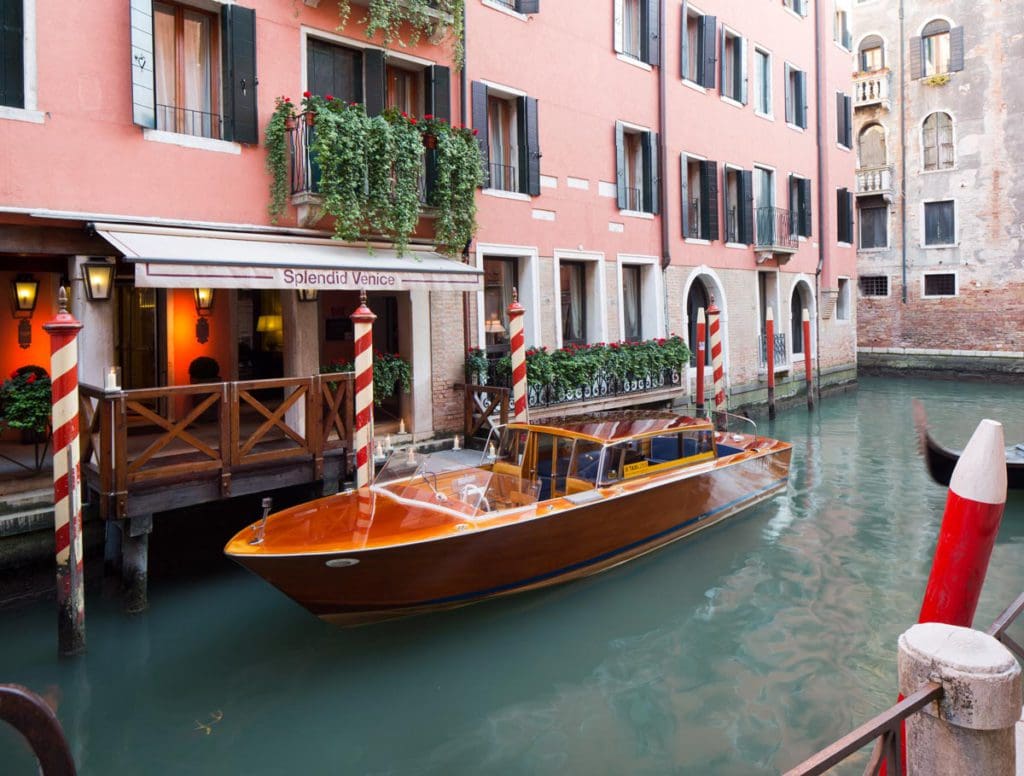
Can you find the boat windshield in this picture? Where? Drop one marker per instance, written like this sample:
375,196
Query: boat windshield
449,483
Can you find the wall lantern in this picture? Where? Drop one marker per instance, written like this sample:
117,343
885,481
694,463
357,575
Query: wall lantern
99,279
307,294
493,326
204,307
24,292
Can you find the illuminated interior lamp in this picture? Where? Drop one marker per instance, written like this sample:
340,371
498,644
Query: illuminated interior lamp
307,294
271,327
494,326
24,292
99,279
204,307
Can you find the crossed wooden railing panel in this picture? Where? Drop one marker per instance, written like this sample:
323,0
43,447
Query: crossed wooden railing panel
486,407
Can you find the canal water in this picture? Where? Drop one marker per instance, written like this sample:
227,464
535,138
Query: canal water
740,651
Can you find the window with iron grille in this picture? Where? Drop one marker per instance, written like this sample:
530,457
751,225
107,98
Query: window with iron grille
874,285
943,284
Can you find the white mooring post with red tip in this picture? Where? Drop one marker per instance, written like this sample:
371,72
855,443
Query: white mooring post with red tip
807,359
769,349
518,343
67,489
702,356
362,320
717,361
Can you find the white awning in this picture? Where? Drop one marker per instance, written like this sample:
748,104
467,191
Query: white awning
196,258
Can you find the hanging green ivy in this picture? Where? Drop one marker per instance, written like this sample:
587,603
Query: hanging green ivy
424,17
459,172
276,142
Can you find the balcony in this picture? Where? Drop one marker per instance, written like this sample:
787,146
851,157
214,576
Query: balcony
781,354
874,181
871,89
775,237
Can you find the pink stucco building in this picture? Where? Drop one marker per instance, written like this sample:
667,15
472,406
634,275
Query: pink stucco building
642,157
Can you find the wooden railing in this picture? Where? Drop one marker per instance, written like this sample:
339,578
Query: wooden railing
136,438
486,407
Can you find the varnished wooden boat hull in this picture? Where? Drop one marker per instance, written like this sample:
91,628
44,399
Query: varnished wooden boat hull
485,562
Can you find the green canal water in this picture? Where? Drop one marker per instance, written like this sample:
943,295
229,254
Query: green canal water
739,651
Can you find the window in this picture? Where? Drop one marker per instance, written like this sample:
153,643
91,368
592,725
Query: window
872,147
520,6
844,216
796,97
939,223
938,142
796,6
186,68
700,198
874,226
871,54
573,279
939,50
796,320
402,90
636,160
738,205
940,284
799,206
507,131
636,30
12,54
841,29
734,66
698,298
632,320
500,277
764,206
698,44
874,285
844,120
843,300
762,82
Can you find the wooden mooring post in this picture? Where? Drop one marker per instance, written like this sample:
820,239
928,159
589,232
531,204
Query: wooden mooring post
808,363
769,347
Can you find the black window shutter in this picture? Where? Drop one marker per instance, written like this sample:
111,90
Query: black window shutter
684,47
620,166
374,74
143,59
840,215
848,113
12,54
916,57
438,100
684,195
804,187
708,41
727,219
240,74
652,24
746,198
956,49
709,200
841,125
800,106
649,148
479,92
528,6
529,148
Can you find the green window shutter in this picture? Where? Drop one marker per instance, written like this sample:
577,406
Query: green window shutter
848,113
528,6
436,100
722,60
479,92
375,78
840,119
239,53
708,41
956,49
529,148
684,195
916,53
617,25
804,227
709,200
649,148
743,74
143,59
621,196
746,204
652,38
800,98
12,54
684,47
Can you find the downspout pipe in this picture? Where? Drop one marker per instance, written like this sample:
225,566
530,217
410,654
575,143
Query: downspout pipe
464,121
903,156
819,68
666,253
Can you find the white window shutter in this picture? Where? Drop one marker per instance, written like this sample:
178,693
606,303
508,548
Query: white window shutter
618,26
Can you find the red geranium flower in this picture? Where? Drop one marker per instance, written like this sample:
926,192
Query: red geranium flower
412,121
31,378
287,99
305,94
328,97
405,115
475,133
428,116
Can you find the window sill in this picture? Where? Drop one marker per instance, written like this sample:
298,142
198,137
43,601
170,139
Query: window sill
735,245
793,13
694,85
842,147
191,141
841,47
883,249
506,10
732,101
637,214
502,194
21,114
940,247
939,296
841,244
796,127
942,169
631,60
696,241
765,116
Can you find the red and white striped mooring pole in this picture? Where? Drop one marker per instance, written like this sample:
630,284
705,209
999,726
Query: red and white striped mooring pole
362,320
517,337
717,363
769,349
807,359
702,356
67,490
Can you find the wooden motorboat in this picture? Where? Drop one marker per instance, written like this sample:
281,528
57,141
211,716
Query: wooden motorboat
941,460
544,504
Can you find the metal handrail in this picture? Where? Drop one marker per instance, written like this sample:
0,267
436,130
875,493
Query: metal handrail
1004,621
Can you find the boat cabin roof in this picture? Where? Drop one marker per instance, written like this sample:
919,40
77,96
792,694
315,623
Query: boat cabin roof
615,425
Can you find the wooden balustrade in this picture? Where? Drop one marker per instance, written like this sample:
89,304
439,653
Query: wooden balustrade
137,439
483,402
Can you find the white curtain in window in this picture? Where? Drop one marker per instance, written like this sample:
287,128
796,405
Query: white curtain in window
572,302
197,75
163,29
631,302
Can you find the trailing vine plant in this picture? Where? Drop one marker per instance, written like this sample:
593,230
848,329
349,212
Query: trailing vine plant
424,17
277,155
458,173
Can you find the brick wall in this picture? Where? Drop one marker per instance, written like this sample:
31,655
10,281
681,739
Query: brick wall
447,359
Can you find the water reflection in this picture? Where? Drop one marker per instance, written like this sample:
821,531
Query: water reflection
739,651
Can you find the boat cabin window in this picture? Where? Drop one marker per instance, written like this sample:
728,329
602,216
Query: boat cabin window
635,457
513,446
563,465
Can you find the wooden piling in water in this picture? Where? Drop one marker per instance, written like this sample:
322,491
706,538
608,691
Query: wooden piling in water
769,346
808,364
702,356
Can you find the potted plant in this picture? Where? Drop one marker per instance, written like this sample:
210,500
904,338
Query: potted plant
389,371
26,404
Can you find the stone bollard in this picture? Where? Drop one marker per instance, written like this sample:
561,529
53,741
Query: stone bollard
971,729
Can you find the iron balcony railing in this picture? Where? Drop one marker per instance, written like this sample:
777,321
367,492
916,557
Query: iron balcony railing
504,177
732,226
775,230
871,89
874,180
186,121
781,353
693,221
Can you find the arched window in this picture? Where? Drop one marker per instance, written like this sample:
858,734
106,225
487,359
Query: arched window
938,142
935,47
871,54
872,146
697,298
796,318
